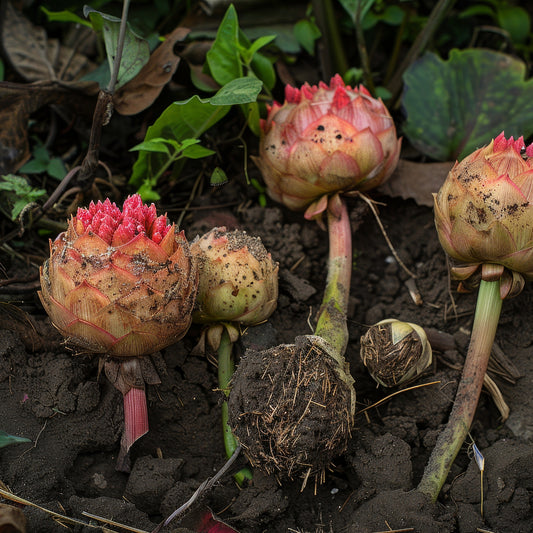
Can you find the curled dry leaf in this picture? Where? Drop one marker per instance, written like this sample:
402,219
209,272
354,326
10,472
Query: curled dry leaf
51,67
33,55
20,101
141,91
12,520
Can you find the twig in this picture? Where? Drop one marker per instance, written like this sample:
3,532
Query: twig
200,491
396,393
389,243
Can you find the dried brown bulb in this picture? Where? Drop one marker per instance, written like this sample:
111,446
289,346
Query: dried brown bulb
395,352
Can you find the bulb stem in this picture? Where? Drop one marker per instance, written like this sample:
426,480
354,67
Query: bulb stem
226,367
449,442
332,323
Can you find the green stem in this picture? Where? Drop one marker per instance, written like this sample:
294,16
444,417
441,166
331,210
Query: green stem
331,324
488,308
226,367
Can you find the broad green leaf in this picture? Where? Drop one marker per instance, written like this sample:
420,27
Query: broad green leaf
223,58
260,43
179,121
238,91
262,67
65,16
6,439
154,145
453,107
56,168
197,152
136,50
306,33
516,21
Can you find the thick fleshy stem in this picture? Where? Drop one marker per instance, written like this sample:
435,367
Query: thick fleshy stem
135,424
226,367
451,439
331,324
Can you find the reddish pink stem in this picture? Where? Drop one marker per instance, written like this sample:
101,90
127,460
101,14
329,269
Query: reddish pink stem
135,423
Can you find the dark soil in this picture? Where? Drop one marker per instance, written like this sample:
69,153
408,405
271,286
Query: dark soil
74,416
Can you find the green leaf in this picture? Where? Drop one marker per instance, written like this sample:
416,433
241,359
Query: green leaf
516,21
136,50
238,91
56,169
218,178
1,70
351,7
223,59
197,152
307,32
458,105
147,192
179,121
154,145
18,193
6,439
65,16
260,43
262,67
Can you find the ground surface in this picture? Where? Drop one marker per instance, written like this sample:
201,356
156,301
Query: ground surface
73,416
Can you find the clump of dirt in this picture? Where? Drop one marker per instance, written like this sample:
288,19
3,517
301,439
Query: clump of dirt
291,408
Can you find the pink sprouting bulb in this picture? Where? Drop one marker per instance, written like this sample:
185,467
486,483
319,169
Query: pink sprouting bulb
117,227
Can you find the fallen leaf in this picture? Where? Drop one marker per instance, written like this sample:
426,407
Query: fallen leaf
12,520
34,56
140,92
19,101
416,181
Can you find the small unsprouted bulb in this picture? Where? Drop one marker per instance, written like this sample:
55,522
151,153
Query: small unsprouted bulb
395,352
238,287
121,283
292,406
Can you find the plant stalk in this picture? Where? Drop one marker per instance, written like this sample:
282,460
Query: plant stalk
488,308
226,367
331,324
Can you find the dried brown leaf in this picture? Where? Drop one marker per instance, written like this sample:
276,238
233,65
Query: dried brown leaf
139,93
19,101
33,55
416,181
12,520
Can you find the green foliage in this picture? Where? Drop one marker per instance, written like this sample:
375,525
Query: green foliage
458,105
136,50
307,33
65,16
16,194
179,127
6,439
515,20
1,70
43,162
232,56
